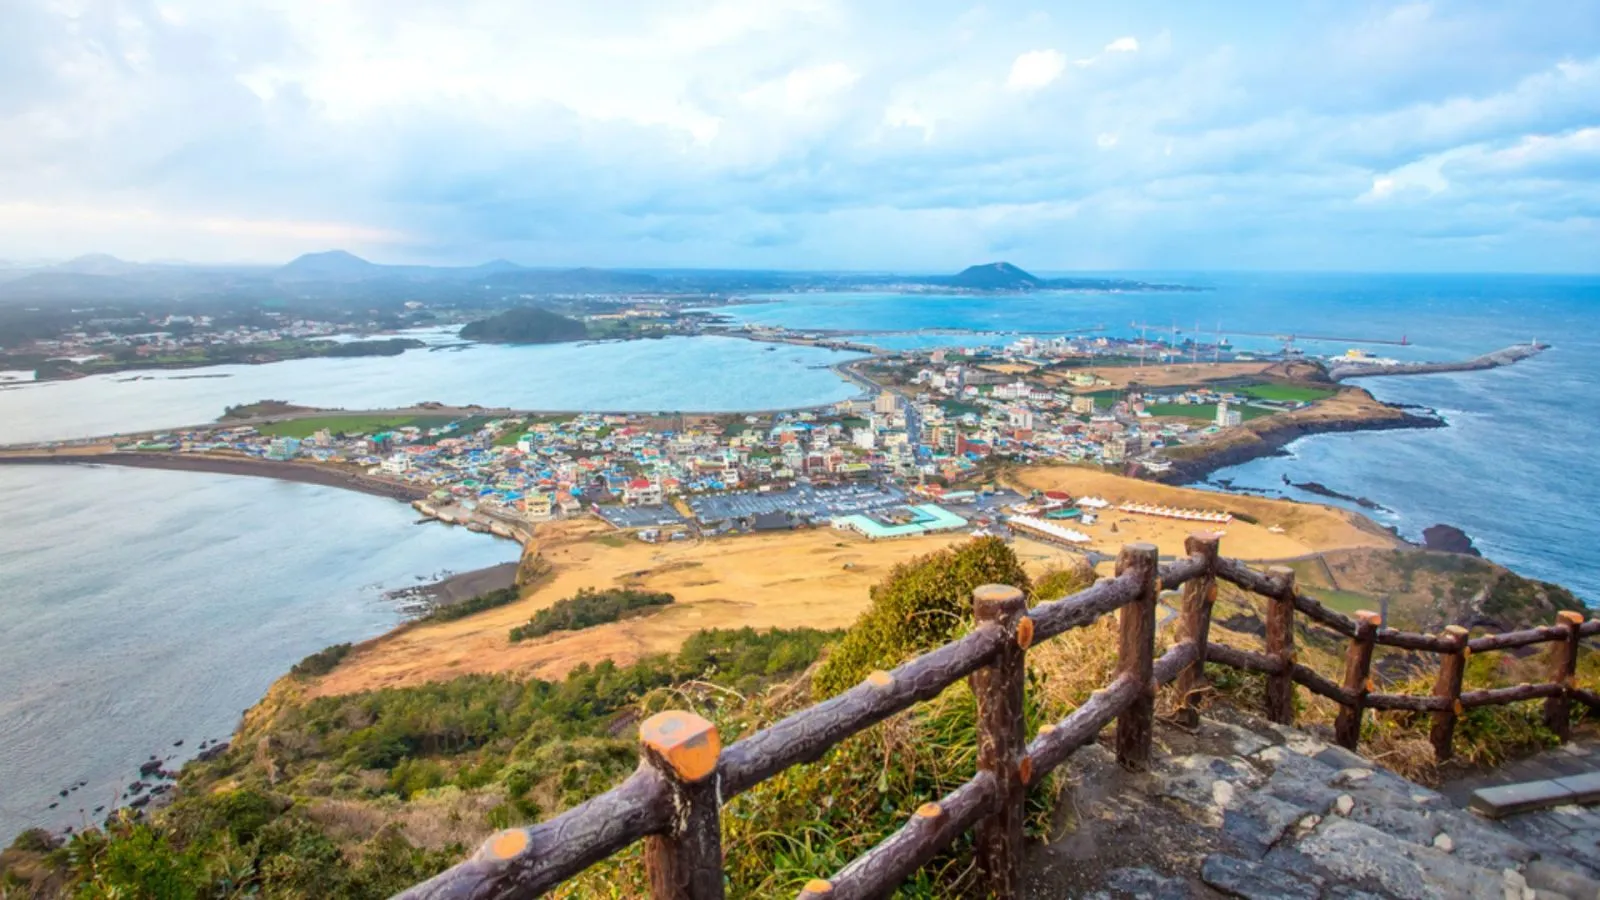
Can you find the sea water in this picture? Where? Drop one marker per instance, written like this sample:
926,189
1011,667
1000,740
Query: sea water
670,374
140,607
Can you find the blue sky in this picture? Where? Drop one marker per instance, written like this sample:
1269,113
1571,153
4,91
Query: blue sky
816,134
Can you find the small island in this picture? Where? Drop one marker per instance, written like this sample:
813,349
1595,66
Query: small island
525,325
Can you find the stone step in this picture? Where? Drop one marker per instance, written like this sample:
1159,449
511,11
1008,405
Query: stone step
1527,796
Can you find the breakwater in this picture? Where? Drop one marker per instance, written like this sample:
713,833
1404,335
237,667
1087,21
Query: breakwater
303,473
1339,370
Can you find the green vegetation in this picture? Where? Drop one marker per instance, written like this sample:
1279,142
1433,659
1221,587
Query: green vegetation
1347,602
361,796
376,423
588,608
956,408
478,604
1286,393
525,325
922,604
321,662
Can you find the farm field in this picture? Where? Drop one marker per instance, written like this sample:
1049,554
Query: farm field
353,424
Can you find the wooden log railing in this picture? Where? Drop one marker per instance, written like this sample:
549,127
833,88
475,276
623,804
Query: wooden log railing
673,801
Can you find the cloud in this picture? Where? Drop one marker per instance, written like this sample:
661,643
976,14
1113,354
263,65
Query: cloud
803,133
1035,69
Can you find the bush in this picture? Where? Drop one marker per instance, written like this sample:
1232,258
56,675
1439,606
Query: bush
588,608
321,662
922,604
478,604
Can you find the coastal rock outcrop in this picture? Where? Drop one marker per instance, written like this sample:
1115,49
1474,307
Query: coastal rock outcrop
1448,539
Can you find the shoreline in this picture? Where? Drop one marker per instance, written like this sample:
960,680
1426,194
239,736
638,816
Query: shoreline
1273,441
301,473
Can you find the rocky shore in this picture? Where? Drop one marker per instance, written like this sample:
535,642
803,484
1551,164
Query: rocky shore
303,473
1271,439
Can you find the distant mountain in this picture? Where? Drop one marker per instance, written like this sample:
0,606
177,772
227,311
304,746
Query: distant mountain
331,265
996,276
96,264
525,325
495,265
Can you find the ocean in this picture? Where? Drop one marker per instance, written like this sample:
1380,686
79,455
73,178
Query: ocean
139,608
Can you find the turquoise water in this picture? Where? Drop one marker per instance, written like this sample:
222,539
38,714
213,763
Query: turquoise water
142,607
702,374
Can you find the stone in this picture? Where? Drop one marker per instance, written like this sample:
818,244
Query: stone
1443,843
1245,742
1345,805
1257,821
1584,788
1544,875
1360,854
1509,799
1352,776
1480,843
1406,824
1147,884
1253,881
1339,758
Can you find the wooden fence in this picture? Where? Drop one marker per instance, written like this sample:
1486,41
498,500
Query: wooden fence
672,802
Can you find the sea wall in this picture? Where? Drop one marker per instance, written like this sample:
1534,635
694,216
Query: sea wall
304,473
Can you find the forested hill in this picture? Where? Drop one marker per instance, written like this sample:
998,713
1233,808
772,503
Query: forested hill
525,325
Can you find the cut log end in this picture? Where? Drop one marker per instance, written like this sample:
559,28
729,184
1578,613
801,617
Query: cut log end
1456,631
878,678
506,844
1025,770
1025,633
684,741
1368,617
1569,617
929,811
817,887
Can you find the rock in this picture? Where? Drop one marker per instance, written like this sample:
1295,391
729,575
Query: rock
1408,824
1547,876
1259,821
1339,758
1367,858
149,768
63,792
1448,539
1253,881
178,742
139,801
1443,843
1147,884
136,787
1345,805
212,752
54,805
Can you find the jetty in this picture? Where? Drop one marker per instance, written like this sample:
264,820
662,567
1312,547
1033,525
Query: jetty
1325,796
1338,370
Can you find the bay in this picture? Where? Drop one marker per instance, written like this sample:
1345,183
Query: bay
141,607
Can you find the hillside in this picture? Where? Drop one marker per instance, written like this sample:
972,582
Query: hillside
525,325
995,276
334,265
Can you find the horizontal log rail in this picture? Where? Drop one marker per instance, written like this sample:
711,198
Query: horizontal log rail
672,801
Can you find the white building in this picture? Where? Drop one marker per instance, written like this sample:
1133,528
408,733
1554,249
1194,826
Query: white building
1227,418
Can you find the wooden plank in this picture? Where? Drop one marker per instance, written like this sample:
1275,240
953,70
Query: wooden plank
998,690
1510,799
1447,690
1104,596
1055,743
685,861
1136,655
1357,680
526,862
1199,596
1512,639
1179,572
1237,573
1514,694
932,828
1280,645
1563,671
806,735
1314,609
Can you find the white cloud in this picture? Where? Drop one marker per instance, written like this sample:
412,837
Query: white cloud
1035,69
1123,45
1105,140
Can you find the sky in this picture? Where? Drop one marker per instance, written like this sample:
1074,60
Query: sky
807,134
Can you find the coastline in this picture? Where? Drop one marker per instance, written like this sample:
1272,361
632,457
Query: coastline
1272,441
302,473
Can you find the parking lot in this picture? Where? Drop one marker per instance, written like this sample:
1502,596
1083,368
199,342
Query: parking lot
802,500
640,516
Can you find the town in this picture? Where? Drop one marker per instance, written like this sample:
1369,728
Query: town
918,453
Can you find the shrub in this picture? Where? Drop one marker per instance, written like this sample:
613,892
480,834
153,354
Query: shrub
922,604
588,608
321,662
478,604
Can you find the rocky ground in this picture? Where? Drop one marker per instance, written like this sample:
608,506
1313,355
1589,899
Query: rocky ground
1246,809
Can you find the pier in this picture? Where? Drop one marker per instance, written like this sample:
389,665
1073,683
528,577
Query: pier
1338,370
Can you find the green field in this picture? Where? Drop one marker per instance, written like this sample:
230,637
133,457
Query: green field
372,424
1203,411
1284,392
1347,602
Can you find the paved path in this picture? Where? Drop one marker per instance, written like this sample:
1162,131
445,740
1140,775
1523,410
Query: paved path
1247,809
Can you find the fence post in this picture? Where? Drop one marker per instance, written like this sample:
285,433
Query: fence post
1280,645
1563,669
1452,665
685,863
1136,655
1199,595
998,688
1357,679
